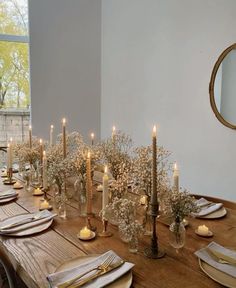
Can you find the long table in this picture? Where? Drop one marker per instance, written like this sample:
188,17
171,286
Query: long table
34,257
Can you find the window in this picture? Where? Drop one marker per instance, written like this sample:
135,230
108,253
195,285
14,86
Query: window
14,69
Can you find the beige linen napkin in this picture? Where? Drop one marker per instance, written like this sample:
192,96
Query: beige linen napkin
205,209
226,268
63,276
202,202
44,217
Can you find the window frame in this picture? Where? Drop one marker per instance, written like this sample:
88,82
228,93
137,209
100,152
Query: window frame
14,38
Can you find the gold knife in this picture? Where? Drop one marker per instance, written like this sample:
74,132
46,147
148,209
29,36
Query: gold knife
96,275
222,256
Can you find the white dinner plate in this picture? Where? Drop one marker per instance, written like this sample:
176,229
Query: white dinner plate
217,275
8,199
216,214
124,281
27,229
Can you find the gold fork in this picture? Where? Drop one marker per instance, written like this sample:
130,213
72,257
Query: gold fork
101,267
97,274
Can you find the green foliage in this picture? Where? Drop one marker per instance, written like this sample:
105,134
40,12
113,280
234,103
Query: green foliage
14,62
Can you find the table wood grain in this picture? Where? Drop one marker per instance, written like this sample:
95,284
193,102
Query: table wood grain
37,256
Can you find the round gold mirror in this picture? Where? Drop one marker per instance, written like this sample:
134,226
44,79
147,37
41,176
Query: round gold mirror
222,87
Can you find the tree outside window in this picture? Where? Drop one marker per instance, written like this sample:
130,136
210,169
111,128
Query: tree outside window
14,54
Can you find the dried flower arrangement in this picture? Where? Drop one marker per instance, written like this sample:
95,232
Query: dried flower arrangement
115,152
142,170
25,154
179,204
123,211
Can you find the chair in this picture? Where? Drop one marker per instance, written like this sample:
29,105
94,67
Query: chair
7,272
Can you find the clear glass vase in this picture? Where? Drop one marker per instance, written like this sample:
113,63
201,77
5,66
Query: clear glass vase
35,175
122,233
60,201
21,169
133,244
147,221
177,234
81,196
27,181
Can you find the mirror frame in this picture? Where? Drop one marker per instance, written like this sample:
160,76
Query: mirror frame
212,83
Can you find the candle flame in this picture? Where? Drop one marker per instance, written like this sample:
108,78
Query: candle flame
44,153
11,139
175,166
113,129
105,169
52,127
64,121
92,135
40,141
30,127
8,145
88,154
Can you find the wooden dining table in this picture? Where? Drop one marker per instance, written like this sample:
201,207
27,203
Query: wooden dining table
35,257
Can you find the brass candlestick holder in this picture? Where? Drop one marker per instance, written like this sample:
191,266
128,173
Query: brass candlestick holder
45,195
9,180
104,232
92,228
154,251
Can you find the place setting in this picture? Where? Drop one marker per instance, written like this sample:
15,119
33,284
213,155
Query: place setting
219,263
8,196
209,209
26,224
93,271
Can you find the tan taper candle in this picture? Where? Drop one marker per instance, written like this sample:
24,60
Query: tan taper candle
113,133
176,178
154,167
92,138
30,136
51,135
64,136
45,178
89,185
41,150
105,189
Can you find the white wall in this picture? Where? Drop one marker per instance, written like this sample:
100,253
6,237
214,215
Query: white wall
157,58
65,53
